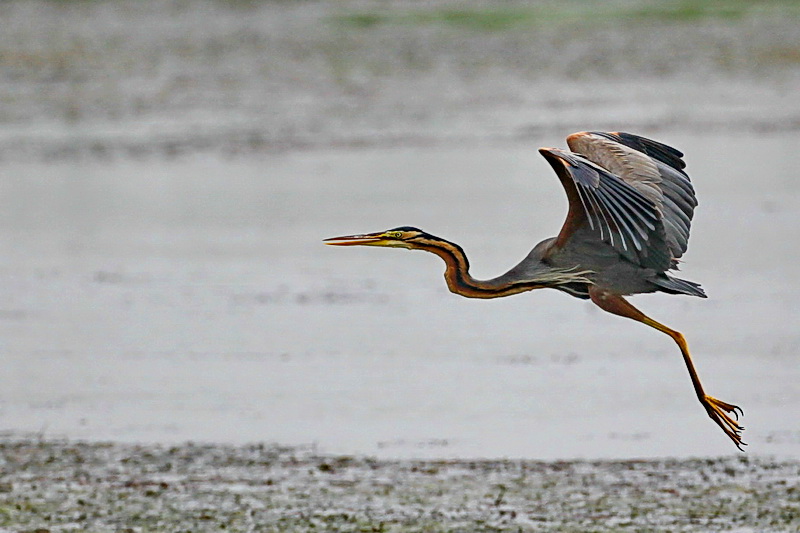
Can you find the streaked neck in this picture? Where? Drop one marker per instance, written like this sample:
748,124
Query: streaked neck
459,280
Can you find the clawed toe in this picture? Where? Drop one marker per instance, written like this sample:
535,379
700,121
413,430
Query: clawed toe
718,411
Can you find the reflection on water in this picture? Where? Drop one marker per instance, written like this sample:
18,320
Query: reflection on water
193,300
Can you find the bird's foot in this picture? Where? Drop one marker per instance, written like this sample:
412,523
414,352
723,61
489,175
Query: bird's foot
720,412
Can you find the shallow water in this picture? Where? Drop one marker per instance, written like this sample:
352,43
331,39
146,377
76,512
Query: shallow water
192,299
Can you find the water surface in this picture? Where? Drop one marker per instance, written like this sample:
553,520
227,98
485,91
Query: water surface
192,299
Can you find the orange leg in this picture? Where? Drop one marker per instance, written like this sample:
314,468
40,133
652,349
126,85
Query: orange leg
718,410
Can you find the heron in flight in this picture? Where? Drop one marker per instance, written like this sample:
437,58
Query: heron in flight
630,209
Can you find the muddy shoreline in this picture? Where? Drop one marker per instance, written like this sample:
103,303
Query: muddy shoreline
170,168
59,486
126,79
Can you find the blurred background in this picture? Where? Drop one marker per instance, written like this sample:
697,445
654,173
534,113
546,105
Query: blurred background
168,170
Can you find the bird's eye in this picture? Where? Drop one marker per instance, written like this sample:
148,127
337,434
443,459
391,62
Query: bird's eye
395,234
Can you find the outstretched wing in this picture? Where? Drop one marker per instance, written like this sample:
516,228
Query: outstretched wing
666,154
624,216
652,168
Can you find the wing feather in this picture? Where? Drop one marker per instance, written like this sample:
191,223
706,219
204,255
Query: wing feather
637,202
623,209
626,225
597,214
682,195
656,171
623,215
659,151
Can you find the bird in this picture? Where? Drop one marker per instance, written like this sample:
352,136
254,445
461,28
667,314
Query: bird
630,208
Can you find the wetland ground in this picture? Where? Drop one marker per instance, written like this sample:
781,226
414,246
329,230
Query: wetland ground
168,170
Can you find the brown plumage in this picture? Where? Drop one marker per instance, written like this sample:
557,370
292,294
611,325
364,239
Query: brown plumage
630,210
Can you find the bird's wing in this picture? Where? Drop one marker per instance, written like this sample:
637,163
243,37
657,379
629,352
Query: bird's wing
652,168
624,216
659,151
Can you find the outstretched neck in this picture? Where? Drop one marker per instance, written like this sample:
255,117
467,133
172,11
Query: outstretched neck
459,280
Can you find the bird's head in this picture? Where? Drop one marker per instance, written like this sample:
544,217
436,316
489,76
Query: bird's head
402,237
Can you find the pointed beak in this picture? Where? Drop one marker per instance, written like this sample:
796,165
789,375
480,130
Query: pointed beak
355,240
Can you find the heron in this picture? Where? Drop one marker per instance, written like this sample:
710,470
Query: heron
630,208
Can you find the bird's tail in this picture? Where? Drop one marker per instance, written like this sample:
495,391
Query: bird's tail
668,284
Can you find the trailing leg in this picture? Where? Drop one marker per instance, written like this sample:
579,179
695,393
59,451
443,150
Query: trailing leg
718,410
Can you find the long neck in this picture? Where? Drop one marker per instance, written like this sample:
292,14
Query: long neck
461,282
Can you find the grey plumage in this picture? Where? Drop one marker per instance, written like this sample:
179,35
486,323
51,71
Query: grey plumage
637,198
631,205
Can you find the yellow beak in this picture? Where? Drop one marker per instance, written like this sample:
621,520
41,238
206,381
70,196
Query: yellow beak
369,239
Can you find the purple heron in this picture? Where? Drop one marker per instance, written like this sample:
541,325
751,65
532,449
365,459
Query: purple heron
630,209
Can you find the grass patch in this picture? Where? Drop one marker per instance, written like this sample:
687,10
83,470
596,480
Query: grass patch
688,11
514,17
491,19
484,20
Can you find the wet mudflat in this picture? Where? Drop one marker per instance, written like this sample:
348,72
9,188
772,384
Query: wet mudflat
168,171
141,312
61,486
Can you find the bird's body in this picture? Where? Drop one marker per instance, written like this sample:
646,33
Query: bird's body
630,211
